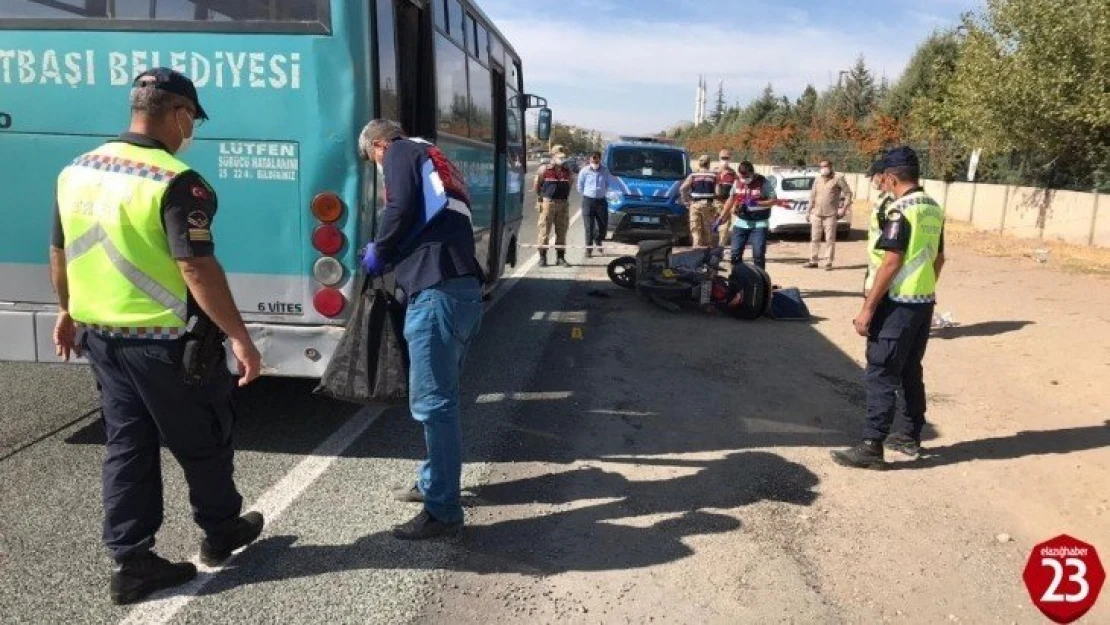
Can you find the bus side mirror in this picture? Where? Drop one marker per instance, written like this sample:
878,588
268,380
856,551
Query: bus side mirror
543,127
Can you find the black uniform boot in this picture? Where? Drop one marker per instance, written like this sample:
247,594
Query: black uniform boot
217,546
141,574
543,258
866,455
903,444
561,259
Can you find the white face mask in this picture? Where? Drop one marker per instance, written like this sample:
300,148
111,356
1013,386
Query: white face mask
186,142
595,166
557,160
826,171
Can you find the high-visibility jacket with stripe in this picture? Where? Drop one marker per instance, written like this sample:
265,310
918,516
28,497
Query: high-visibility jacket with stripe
916,283
122,276
874,231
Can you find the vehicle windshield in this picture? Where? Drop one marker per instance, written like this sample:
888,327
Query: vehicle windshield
797,184
646,162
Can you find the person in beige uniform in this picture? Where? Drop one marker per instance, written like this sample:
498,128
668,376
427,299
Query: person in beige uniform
552,187
698,191
726,178
828,201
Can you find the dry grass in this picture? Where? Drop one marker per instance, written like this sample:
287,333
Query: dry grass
1063,256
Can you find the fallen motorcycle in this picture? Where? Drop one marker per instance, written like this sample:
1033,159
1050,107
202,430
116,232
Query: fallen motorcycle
692,280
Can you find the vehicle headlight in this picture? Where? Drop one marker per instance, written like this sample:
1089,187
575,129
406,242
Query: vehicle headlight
614,197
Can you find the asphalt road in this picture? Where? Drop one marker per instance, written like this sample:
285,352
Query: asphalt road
51,559
623,464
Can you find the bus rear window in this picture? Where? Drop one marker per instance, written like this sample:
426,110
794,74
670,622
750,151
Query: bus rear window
307,16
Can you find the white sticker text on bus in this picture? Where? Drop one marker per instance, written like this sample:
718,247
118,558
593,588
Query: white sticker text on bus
222,70
258,160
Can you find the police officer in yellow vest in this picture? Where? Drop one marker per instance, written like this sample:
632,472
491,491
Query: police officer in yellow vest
897,314
132,263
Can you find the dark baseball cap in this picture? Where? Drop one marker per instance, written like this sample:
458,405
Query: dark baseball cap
877,167
902,156
166,79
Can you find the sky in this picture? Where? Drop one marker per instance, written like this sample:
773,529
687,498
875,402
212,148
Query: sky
632,66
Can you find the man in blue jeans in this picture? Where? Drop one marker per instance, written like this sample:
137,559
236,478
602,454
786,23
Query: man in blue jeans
749,211
425,237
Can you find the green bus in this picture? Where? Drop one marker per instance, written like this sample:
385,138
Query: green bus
288,84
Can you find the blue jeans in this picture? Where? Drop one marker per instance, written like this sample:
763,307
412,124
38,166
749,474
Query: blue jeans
758,239
440,324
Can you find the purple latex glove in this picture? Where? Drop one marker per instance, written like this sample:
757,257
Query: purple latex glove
716,225
371,263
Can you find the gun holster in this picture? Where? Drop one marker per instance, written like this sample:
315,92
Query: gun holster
204,350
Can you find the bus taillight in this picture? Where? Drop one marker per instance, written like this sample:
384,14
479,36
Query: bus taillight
327,207
327,271
329,302
327,239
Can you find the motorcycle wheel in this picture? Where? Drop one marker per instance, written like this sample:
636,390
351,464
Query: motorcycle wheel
622,271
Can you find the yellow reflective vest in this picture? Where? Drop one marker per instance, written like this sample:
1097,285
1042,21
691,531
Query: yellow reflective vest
123,279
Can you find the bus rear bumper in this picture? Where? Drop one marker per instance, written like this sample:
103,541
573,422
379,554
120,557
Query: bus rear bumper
287,350
292,351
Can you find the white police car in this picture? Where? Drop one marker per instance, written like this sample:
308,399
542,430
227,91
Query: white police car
794,184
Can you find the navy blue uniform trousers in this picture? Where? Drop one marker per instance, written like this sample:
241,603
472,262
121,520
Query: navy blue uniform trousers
896,345
146,404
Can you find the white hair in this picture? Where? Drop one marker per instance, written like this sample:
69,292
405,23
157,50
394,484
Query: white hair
153,102
378,130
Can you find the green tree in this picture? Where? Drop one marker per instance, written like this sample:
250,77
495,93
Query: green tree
762,109
719,109
859,91
1032,81
926,76
806,108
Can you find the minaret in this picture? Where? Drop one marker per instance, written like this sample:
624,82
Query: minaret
697,103
704,97
700,101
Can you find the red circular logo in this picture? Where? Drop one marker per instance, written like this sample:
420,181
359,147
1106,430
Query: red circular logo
1064,577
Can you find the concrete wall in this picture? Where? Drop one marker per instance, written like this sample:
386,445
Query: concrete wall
960,198
1070,217
936,190
990,206
1024,207
1026,212
1101,235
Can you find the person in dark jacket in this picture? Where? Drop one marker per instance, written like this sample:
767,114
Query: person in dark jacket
426,239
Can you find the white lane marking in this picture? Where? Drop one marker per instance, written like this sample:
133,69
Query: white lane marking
521,271
271,504
280,496
493,398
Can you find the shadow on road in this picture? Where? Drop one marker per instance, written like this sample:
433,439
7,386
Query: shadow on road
1021,445
985,329
587,538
